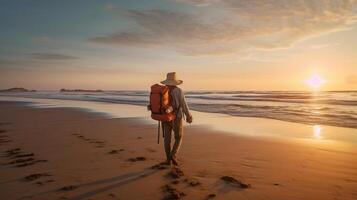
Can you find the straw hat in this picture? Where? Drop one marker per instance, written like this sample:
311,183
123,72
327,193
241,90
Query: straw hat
171,79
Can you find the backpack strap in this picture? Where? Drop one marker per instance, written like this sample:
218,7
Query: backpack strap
158,132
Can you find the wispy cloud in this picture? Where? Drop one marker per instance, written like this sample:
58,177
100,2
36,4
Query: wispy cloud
199,2
52,56
321,46
185,33
251,24
6,62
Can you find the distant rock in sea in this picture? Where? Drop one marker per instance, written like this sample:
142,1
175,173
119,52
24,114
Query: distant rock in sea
79,90
16,89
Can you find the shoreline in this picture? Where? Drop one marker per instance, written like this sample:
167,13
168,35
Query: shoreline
326,110
259,128
80,164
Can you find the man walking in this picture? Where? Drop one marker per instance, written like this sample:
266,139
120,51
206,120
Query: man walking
181,111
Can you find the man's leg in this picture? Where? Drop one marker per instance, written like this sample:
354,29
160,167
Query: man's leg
178,131
167,127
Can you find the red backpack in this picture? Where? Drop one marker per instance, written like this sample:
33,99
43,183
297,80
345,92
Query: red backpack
160,103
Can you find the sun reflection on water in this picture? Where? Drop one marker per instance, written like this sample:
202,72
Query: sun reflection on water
317,131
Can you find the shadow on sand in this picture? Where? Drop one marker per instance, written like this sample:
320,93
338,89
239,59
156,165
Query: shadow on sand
111,183
116,182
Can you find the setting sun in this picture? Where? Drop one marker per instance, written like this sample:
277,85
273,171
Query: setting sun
315,81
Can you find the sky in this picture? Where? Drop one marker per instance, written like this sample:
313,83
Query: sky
211,44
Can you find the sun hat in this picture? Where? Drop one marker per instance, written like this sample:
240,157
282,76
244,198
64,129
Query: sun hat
171,79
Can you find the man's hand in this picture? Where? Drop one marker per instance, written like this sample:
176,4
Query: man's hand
189,119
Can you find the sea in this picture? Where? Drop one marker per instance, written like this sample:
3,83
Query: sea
333,108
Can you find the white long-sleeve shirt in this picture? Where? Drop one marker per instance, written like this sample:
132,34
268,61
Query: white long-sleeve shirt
179,103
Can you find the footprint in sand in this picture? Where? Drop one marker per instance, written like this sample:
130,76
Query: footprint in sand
175,173
115,151
21,159
4,138
139,158
234,182
24,155
4,141
12,152
171,193
68,188
112,195
211,196
33,177
98,144
30,163
3,131
17,161
192,182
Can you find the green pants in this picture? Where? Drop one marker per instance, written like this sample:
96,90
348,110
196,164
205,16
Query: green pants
176,127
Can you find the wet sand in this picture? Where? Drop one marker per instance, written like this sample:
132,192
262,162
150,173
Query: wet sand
58,153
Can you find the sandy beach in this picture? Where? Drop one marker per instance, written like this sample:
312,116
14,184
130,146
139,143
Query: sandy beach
60,153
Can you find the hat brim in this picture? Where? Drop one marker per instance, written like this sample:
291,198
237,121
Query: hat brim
172,82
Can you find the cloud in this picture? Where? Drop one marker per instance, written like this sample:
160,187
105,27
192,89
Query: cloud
254,24
319,46
185,33
199,2
51,56
182,32
5,61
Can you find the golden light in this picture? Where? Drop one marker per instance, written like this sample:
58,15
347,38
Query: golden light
317,131
315,81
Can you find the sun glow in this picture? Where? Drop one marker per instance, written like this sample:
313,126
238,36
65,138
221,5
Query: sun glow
317,131
315,81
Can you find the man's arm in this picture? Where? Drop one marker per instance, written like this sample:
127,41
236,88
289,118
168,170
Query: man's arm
185,108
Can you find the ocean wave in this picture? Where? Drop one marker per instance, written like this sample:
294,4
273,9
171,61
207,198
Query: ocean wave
328,108
290,99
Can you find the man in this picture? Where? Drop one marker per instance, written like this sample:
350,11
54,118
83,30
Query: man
180,110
